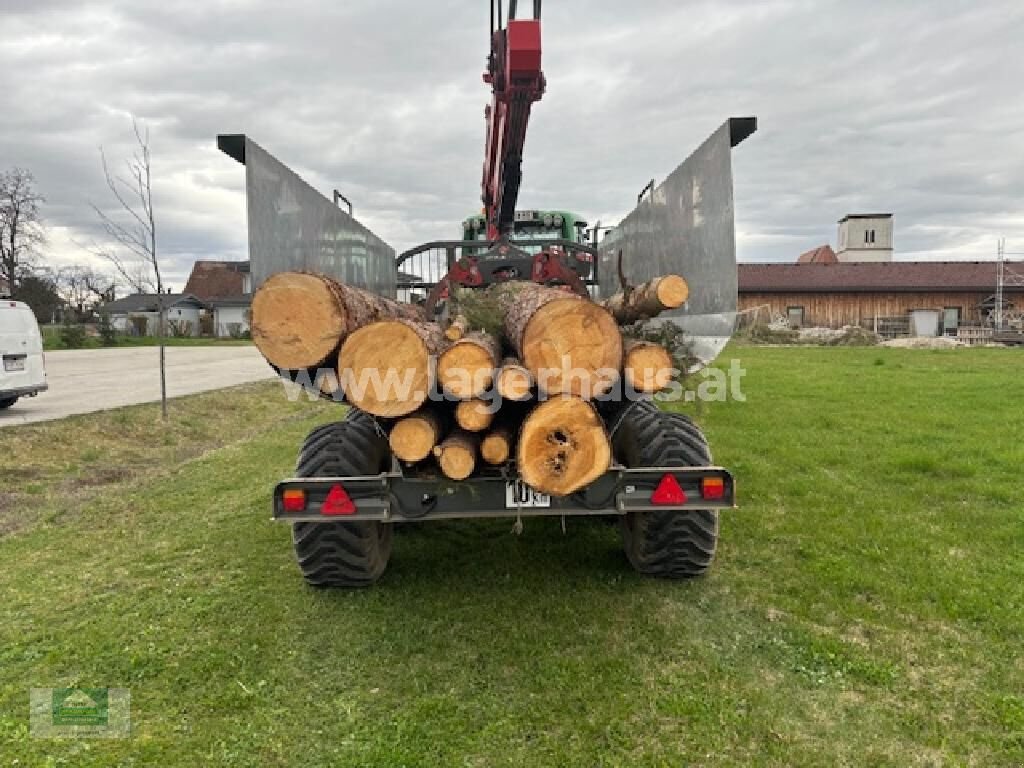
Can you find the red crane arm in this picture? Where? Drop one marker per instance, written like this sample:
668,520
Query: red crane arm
517,81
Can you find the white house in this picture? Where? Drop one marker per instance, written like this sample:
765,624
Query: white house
137,314
230,315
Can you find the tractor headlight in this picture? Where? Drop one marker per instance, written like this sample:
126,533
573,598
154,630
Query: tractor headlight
558,220
547,220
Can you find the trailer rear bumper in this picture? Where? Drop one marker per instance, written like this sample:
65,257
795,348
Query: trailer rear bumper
394,497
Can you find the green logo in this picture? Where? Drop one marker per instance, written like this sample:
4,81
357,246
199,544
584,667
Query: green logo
79,706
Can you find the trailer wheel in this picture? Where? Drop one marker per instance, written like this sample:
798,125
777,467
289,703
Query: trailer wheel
7,402
666,544
341,554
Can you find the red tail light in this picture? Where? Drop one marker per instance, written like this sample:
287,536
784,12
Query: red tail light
337,502
294,500
668,491
712,487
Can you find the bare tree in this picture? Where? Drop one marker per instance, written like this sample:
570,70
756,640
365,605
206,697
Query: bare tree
83,288
132,234
21,230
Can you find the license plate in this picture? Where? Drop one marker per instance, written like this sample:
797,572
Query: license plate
14,364
519,494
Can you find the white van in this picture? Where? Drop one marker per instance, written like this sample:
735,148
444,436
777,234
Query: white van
22,371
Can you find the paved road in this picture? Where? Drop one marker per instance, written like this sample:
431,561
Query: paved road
86,380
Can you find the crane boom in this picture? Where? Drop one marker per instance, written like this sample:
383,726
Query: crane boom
514,73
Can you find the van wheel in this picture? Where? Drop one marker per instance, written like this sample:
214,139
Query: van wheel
7,402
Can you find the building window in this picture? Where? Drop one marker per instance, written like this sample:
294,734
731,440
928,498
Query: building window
869,236
796,317
950,321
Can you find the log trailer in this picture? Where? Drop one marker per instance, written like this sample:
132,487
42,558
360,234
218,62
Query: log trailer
349,489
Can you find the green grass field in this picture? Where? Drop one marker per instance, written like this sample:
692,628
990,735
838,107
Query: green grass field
52,340
866,606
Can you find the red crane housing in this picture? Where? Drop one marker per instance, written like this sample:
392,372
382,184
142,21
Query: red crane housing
514,73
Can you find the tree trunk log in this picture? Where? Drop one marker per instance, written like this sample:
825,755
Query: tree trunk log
563,446
456,456
514,381
648,366
475,415
456,329
569,344
299,319
413,437
496,447
466,368
387,368
648,299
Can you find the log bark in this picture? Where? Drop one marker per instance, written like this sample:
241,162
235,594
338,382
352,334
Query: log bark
474,415
647,366
456,455
569,344
496,447
413,437
513,380
387,368
466,368
563,446
456,329
300,319
648,299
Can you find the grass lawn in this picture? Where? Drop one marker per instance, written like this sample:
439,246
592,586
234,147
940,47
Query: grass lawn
52,340
866,607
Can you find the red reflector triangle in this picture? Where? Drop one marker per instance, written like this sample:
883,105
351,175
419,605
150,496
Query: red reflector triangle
668,492
337,502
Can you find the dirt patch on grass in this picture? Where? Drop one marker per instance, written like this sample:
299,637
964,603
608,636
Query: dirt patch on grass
102,476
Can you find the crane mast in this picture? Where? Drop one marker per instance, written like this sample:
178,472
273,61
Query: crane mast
514,73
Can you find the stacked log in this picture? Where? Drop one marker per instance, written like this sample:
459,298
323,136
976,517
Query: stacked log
456,455
387,368
466,368
648,299
413,437
570,345
521,391
299,320
647,367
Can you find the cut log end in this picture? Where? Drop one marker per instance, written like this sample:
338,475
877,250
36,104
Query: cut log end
385,367
514,381
413,438
456,456
672,291
496,447
572,346
456,329
648,366
563,446
474,415
296,320
466,368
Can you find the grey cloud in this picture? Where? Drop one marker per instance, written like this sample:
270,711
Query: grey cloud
908,107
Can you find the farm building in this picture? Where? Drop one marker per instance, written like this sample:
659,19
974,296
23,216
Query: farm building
816,293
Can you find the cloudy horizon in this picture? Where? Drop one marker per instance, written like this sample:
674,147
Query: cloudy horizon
902,107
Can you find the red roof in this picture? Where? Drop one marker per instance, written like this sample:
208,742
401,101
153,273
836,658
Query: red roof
869,277
823,254
216,279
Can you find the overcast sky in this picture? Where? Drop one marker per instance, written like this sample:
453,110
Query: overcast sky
909,107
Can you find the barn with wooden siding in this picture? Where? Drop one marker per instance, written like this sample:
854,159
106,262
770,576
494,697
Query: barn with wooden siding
855,293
